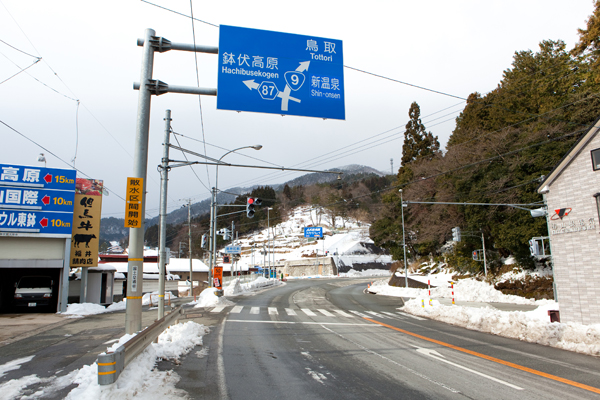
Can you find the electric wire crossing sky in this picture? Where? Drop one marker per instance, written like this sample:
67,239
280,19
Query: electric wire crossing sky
280,73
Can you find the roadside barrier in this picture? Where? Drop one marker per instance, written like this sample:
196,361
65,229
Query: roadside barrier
110,365
429,290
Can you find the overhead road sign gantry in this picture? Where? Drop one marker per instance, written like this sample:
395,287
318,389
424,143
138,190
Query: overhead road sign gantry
280,73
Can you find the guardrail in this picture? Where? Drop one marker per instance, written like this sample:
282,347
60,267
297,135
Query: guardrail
110,365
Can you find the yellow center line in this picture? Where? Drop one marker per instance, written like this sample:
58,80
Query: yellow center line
496,360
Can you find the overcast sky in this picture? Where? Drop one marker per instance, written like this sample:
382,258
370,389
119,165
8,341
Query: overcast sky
89,54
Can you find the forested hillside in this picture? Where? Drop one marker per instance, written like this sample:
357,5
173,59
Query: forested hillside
504,141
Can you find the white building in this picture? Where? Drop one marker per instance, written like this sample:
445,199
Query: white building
572,194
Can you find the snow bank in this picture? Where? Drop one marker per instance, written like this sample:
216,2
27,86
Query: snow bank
531,326
140,379
365,273
464,290
152,298
84,309
208,298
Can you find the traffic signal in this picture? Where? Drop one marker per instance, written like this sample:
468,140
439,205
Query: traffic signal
456,234
204,241
475,257
250,203
534,248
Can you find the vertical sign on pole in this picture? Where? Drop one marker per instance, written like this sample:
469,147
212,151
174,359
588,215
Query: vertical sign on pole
86,223
218,277
133,203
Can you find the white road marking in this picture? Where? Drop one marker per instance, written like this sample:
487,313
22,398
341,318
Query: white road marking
273,311
392,315
325,313
218,309
378,315
236,310
343,313
411,316
254,310
289,311
360,346
359,314
306,323
222,384
439,357
308,312
317,376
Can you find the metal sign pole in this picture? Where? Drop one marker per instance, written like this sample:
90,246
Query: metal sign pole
484,259
133,315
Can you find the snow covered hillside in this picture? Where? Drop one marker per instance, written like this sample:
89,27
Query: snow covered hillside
349,244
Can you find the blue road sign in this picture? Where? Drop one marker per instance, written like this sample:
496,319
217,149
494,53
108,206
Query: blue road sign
233,250
28,176
280,73
36,199
314,231
33,221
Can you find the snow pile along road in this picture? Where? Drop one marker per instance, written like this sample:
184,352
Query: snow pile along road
140,379
531,326
208,298
464,290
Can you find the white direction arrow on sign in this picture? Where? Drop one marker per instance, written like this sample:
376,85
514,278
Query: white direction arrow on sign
251,84
294,81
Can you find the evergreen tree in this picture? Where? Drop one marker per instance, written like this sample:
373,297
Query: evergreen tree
418,143
589,42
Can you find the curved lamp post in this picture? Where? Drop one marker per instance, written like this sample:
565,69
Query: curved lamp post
213,212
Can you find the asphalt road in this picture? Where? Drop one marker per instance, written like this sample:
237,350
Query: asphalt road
323,339
326,339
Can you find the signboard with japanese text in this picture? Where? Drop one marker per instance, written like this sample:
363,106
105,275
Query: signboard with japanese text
28,176
280,73
233,249
36,201
133,203
218,277
86,223
313,231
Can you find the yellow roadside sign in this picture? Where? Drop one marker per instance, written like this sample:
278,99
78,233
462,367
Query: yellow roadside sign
133,204
86,223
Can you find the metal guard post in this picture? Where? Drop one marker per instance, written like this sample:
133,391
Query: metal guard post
110,365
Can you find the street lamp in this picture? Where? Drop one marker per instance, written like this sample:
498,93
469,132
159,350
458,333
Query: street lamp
404,241
42,158
269,241
213,212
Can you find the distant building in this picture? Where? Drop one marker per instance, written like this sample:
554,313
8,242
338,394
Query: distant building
572,194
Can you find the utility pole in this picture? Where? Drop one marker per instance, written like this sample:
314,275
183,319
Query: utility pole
404,241
190,246
484,259
135,262
162,251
